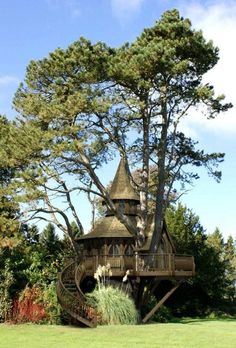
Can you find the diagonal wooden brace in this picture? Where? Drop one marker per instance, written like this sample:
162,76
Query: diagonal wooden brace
158,305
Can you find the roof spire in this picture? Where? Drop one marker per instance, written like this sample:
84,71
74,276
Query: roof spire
121,187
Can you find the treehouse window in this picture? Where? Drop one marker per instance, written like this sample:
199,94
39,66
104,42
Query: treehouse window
114,250
121,206
129,251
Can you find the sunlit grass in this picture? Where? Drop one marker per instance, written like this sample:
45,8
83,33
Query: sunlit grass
186,333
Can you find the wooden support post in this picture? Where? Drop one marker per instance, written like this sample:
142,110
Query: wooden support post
158,305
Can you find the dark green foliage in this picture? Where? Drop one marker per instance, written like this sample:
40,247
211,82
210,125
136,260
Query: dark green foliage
49,301
163,315
49,240
213,283
6,281
9,208
230,259
75,230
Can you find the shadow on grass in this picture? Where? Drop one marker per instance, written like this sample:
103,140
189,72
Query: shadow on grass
200,320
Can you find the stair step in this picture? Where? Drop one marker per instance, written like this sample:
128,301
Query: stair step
70,285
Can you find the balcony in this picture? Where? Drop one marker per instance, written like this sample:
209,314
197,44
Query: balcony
143,265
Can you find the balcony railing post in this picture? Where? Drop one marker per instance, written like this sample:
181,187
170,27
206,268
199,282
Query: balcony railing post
121,262
136,261
173,262
170,262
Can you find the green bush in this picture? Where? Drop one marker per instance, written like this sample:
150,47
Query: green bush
6,281
49,300
113,306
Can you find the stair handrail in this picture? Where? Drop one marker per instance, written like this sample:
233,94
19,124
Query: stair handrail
79,275
74,305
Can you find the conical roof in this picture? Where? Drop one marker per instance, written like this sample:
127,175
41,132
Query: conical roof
110,226
121,187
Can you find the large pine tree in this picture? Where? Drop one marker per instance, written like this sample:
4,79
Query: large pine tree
81,106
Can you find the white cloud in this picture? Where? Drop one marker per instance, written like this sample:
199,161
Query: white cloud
8,80
217,21
123,9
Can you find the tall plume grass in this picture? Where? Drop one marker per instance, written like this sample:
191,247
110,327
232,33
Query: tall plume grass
113,305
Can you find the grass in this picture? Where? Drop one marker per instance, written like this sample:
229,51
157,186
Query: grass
185,333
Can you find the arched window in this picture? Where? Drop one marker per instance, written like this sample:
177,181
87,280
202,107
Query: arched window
114,250
129,251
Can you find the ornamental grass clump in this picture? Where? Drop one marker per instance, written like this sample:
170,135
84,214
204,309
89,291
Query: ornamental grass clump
113,305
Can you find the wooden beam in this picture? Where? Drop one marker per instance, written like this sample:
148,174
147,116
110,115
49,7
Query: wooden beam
158,305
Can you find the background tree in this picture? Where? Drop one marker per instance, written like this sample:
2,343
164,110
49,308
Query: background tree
9,208
230,258
214,278
50,240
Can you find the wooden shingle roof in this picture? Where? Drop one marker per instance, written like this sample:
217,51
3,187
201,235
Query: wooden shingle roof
109,227
121,187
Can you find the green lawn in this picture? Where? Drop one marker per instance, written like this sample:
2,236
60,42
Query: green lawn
187,333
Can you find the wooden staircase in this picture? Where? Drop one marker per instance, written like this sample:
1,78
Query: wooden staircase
72,298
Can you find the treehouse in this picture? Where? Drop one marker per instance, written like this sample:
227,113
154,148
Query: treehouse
111,243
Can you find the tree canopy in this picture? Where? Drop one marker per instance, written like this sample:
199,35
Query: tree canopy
83,105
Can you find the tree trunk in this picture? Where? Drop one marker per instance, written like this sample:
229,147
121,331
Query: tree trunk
161,178
145,174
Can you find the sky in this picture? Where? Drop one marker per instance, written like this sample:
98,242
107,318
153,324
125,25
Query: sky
30,29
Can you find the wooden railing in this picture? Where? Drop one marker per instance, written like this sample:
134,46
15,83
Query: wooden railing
142,262
74,304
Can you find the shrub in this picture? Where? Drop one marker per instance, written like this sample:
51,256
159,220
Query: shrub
49,301
6,281
113,306
37,305
26,308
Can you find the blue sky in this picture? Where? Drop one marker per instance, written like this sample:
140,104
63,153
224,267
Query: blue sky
30,29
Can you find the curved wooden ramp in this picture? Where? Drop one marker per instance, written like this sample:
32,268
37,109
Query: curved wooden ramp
71,297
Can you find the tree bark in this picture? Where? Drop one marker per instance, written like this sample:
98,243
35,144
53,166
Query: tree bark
145,172
161,178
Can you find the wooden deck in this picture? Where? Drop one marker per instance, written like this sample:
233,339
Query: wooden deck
143,265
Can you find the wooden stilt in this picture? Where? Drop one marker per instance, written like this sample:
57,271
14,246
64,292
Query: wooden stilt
158,305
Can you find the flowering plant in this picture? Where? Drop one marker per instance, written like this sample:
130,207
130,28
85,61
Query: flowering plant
101,273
